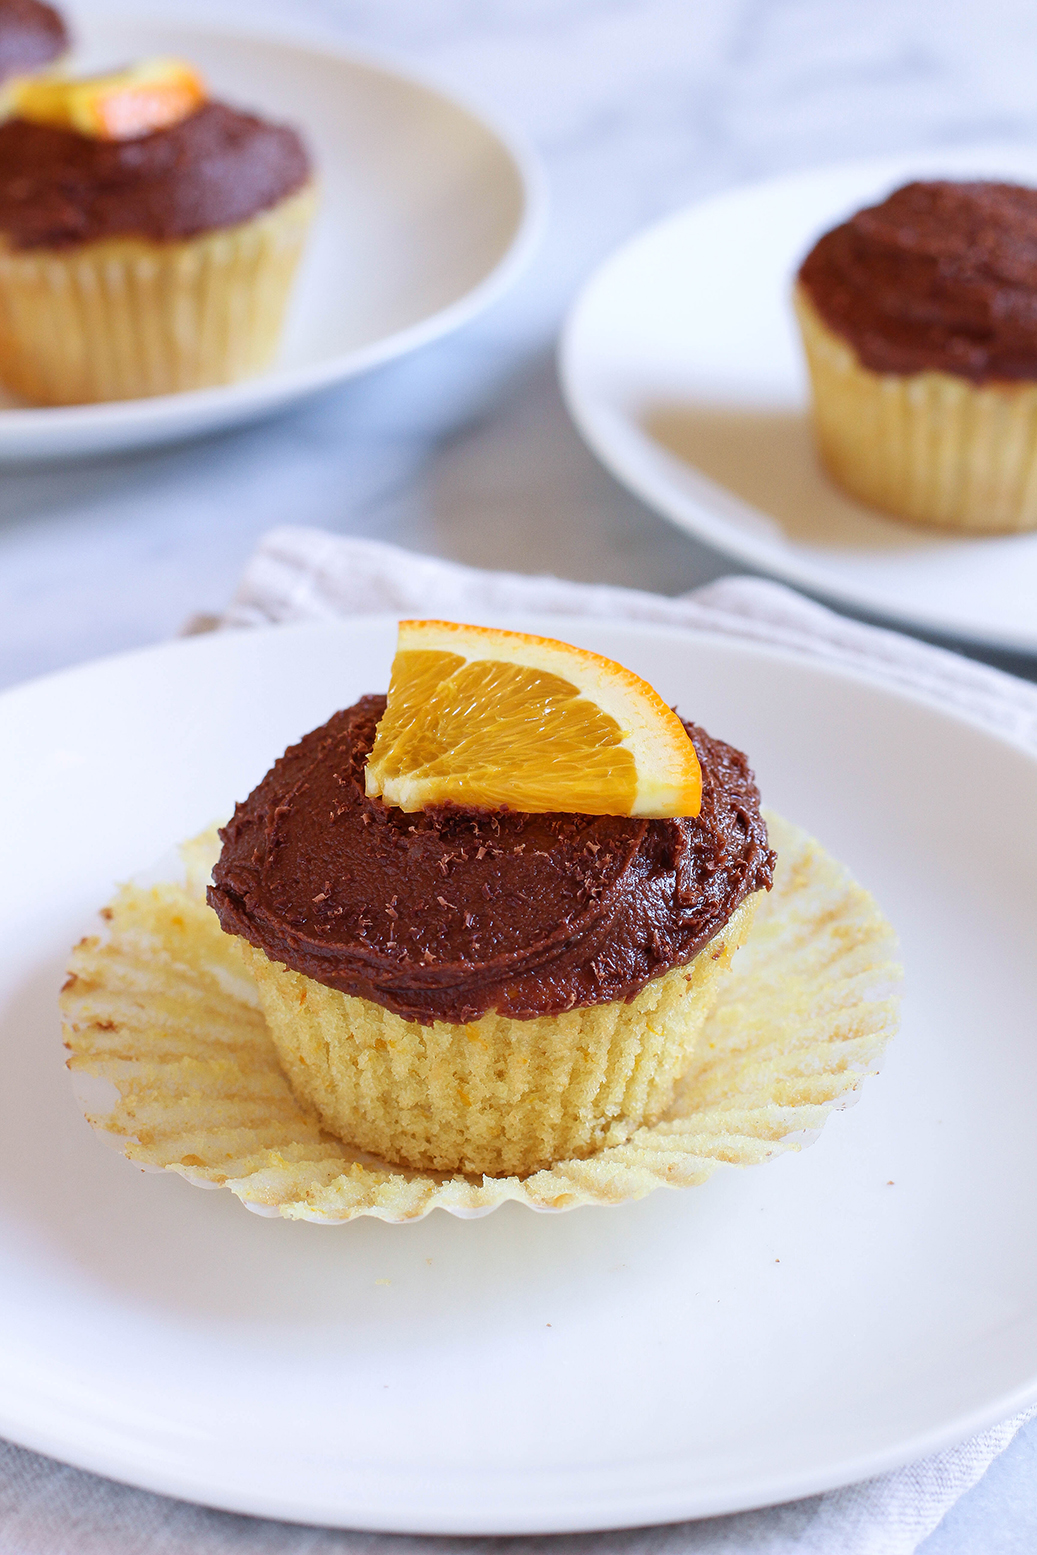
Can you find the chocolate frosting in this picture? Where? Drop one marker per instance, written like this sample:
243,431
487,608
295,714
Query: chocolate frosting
449,912
213,169
939,276
31,35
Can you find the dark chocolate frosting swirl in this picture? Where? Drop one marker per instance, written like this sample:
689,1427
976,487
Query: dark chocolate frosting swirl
31,35
450,912
939,276
213,169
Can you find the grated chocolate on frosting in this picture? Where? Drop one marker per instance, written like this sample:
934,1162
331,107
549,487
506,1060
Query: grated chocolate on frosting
446,913
213,169
940,276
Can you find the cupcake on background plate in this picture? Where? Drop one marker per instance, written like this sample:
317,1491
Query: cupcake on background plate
919,322
488,918
32,37
148,236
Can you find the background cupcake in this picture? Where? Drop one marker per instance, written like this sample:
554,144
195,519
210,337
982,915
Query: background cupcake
148,236
32,35
919,321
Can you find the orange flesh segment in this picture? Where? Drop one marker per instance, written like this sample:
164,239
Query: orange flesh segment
122,106
489,718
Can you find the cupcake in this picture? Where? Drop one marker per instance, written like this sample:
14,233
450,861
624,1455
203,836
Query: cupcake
919,322
148,236
457,984
32,36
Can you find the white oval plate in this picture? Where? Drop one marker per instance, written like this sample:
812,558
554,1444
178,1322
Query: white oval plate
682,368
427,214
777,1331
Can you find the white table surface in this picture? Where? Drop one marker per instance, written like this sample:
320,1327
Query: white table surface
464,450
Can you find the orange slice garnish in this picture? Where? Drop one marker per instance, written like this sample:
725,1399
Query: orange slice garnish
491,718
121,106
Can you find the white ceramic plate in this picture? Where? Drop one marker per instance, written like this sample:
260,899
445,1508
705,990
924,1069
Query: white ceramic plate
779,1330
682,368
427,214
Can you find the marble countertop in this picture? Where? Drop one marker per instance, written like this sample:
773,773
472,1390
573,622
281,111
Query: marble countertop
464,450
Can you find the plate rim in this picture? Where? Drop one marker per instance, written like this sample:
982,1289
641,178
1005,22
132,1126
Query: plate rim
593,417
779,652
232,404
762,1490
766,1491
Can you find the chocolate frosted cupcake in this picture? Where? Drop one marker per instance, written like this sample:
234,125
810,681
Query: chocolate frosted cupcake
416,1000
483,990
148,236
919,320
32,35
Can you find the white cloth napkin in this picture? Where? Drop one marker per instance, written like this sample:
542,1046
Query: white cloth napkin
310,575
47,1508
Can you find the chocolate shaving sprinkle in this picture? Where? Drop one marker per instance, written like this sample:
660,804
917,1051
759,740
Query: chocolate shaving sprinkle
572,910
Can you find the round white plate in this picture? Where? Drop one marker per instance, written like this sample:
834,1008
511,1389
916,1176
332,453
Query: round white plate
682,368
779,1330
427,214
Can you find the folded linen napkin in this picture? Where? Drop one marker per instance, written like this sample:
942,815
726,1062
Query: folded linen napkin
310,575
47,1508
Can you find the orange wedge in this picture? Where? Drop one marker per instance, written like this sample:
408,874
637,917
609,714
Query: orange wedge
490,718
121,106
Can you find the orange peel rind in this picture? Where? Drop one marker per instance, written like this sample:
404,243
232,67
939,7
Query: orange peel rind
123,105
491,718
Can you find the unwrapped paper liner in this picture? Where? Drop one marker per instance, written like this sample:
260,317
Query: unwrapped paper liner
161,1006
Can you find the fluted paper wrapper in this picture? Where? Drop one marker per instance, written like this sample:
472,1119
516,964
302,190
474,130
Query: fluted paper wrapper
497,1096
930,446
126,318
165,1029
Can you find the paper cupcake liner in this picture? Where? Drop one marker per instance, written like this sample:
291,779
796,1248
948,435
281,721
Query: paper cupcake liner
165,1030
497,1096
126,318
931,447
